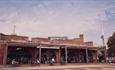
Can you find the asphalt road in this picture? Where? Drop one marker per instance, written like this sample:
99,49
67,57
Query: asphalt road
64,67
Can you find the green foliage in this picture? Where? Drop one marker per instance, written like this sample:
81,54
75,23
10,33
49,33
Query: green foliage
111,45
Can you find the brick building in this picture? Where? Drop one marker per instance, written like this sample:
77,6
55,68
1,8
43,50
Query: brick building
60,48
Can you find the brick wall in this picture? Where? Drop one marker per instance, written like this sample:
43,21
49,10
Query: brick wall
89,43
1,52
13,37
38,39
79,40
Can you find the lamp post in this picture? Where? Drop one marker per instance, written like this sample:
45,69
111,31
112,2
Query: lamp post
105,48
103,42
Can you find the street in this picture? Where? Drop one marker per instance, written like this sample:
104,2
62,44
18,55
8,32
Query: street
65,67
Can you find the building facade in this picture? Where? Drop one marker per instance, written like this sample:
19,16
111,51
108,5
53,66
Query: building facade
61,49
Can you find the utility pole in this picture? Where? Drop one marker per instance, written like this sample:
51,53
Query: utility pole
104,45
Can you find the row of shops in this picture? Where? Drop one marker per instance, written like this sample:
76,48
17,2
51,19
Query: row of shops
25,52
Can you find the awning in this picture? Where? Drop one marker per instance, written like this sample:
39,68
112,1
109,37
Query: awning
48,47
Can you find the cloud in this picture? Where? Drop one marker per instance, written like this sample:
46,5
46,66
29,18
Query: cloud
47,18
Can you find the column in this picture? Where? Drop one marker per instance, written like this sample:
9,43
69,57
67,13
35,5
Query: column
105,53
36,53
78,55
66,55
58,56
86,55
40,54
5,54
94,56
33,53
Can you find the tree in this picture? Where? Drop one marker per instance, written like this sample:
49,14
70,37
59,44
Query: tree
111,45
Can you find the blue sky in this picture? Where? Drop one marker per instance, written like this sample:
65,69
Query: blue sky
70,18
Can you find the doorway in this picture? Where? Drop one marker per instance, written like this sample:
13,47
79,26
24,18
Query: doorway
47,55
20,54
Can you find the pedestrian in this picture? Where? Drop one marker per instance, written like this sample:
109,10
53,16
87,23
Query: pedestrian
14,63
53,60
38,62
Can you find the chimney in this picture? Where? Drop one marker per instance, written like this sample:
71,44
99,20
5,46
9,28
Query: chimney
81,37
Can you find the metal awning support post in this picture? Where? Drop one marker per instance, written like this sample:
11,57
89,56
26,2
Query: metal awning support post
40,54
60,55
105,53
66,55
86,55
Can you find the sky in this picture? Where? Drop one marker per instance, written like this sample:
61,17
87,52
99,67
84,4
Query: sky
43,18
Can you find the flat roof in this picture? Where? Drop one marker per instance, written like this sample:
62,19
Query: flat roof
48,45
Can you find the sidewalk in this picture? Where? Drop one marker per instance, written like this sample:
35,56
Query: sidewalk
44,67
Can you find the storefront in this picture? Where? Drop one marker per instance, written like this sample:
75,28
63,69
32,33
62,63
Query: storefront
26,53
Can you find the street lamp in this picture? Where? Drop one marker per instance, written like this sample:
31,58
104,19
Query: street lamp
105,48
